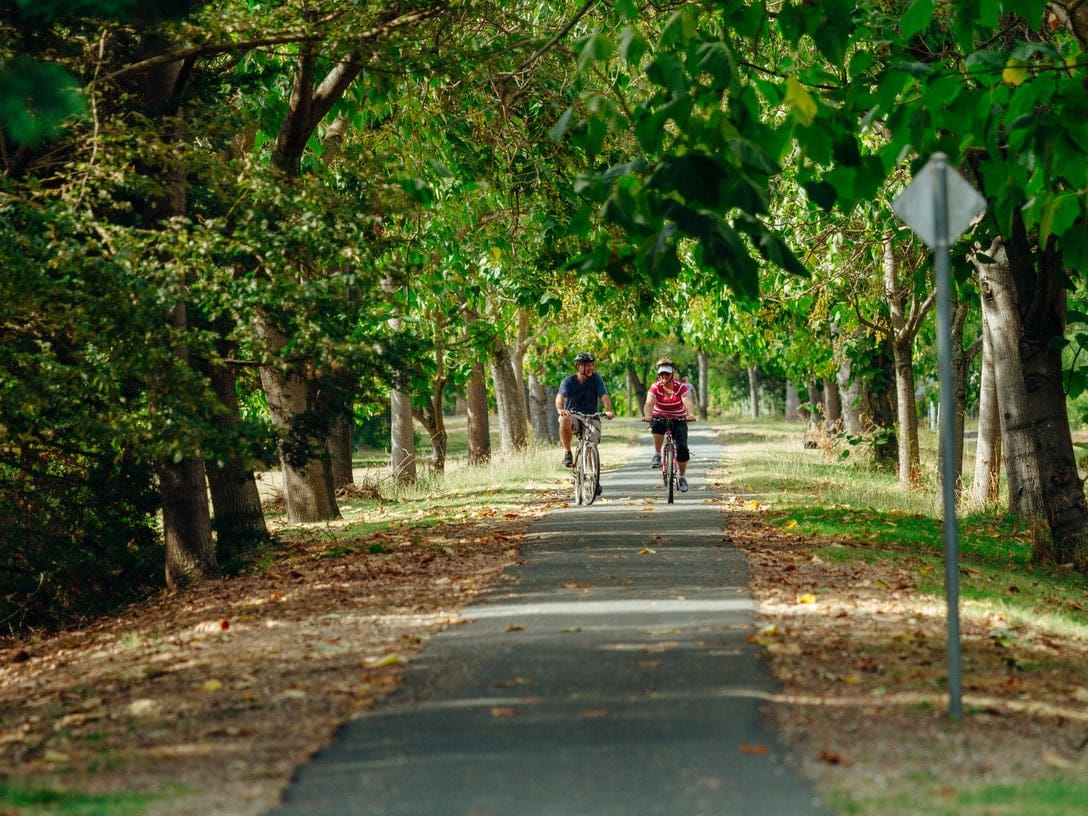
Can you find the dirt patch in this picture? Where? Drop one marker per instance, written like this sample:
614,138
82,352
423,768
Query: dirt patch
212,698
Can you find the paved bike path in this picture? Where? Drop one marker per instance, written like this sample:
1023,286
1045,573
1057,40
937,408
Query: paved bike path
609,674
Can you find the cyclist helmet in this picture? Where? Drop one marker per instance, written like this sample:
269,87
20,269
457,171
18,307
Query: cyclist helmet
666,366
583,357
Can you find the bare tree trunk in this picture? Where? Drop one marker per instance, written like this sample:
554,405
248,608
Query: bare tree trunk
793,402
479,431
509,401
851,398
903,332
402,439
636,385
986,484
815,403
703,360
538,408
340,450
238,517
832,405
304,460
1001,322
753,390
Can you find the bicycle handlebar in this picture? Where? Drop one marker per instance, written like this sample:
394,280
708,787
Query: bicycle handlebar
580,415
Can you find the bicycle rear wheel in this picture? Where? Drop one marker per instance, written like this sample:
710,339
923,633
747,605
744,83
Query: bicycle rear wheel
591,465
577,476
670,471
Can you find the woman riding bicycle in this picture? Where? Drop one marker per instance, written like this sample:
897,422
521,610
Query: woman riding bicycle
580,392
670,399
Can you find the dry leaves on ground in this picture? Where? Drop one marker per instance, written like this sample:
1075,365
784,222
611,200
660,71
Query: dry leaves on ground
218,694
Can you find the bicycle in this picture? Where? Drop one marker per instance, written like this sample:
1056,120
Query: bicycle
587,461
670,470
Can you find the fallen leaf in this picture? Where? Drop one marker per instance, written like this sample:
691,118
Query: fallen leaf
755,750
832,757
503,711
807,598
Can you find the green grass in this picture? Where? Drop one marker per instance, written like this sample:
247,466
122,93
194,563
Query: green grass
21,800
1048,797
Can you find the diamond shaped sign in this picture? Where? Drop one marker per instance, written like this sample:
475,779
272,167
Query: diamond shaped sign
917,206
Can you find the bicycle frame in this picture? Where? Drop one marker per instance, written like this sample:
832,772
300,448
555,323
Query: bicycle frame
670,472
586,474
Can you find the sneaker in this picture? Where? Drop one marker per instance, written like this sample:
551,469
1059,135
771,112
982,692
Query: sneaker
599,491
656,461
568,459
683,485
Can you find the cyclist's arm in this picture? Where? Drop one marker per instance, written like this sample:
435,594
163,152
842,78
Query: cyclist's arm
606,401
689,404
648,408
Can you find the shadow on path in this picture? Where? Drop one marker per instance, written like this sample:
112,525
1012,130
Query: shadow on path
609,674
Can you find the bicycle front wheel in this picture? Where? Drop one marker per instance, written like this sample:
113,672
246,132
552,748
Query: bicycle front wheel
577,477
591,467
670,472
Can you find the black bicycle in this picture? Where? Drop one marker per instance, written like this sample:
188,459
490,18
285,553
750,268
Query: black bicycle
587,461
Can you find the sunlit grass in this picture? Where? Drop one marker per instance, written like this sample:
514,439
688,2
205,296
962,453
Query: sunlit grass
39,801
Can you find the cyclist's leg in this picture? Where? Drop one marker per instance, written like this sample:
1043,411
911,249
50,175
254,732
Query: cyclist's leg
657,428
683,453
566,437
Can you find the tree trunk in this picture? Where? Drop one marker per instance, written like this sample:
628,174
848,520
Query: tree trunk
190,551
509,401
961,360
187,528
1001,322
703,363
479,430
753,390
402,439
902,342
341,449
304,459
815,403
639,389
238,517
1041,295
832,405
985,487
851,398
793,402
538,409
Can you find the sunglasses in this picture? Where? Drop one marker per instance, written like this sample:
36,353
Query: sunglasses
664,374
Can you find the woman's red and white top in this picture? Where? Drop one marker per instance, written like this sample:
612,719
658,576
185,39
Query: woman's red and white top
669,399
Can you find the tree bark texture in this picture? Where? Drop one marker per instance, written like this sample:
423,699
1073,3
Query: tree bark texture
1001,322
479,430
238,516
187,527
703,363
538,410
902,334
1041,297
509,399
402,441
294,409
986,483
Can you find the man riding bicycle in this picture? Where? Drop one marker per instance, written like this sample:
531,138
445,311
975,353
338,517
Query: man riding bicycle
580,392
670,399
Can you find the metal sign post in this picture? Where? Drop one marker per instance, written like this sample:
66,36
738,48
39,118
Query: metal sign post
939,205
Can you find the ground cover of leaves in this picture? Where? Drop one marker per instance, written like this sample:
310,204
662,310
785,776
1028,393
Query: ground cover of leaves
212,697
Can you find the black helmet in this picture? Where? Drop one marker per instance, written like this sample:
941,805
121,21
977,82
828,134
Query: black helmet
583,357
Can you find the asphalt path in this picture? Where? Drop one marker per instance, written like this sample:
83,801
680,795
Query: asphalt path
608,674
